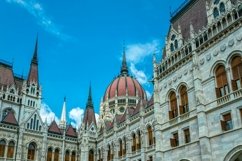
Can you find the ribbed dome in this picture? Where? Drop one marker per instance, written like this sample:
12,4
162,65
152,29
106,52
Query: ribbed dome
122,85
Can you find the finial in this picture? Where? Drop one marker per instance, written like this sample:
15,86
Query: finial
124,68
89,100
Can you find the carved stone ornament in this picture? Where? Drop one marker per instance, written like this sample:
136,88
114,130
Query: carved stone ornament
239,37
216,53
202,61
223,48
185,73
231,43
208,57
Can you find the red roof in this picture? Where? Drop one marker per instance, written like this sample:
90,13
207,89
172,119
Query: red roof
123,83
89,117
6,75
109,125
10,119
70,131
33,73
53,128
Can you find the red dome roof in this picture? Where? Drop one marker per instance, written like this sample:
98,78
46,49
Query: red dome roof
122,84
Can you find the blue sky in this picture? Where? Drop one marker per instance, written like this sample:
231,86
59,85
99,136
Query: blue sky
81,41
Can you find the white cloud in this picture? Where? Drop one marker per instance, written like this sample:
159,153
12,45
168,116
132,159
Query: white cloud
148,94
136,54
76,115
36,10
97,117
47,114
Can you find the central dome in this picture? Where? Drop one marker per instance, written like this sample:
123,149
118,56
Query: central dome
124,91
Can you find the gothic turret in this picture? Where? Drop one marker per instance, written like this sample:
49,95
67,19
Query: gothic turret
33,76
89,116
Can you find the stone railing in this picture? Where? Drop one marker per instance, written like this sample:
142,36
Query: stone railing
230,97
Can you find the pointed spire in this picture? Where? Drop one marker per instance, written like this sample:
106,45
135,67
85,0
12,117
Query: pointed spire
124,68
89,100
63,115
35,55
33,72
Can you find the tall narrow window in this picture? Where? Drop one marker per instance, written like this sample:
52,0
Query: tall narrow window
109,153
134,143
174,140
184,100
67,155
73,156
150,135
215,13
91,155
10,153
187,136
120,148
222,7
49,154
236,65
222,83
173,105
31,151
124,147
226,123
139,141
56,156
2,147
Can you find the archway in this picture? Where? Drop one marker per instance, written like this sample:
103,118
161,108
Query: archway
235,154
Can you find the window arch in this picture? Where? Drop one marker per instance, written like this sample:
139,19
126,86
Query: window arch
150,135
222,7
222,83
120,148
134,142
172,47
183,100
91,155
215,12
10,153
67,155
236,66
73,156
56,155
173,105
124,147
2,147
139,140
31,151
49,154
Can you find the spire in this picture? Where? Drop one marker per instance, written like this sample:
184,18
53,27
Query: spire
33,72
124,68
89,100
63,115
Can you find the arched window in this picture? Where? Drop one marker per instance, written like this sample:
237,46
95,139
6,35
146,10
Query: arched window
236,65
120,148
10,153
184,100
49,154
56,155
215,12
222,7
134,143
109,153
139,141
222,83
173,106
176,44
172,47
150,135
73,156
124,147
2,147
67,155
91,155
31,151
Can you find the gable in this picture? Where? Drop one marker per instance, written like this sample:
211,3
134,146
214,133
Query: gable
34,122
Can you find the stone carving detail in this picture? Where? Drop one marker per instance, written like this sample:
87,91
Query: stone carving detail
185,73
180,76
239,37
202,61
208,57
223,48
174,79
216,53
231,43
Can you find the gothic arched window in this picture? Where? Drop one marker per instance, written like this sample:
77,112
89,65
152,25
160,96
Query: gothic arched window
56,155
173,105
236,65
215,12
67,155
139,140
222,83
222,7
2,147
134,143
10,153
150,135
184,100
91,155
31,151
49,154
120,148
73,156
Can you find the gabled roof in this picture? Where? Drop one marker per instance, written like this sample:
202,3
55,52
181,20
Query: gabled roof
70,131
121,118
53,128
10,119
109,125
6,74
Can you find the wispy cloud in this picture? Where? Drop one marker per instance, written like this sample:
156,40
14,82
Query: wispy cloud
76,116
47,114
136,54
35,9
